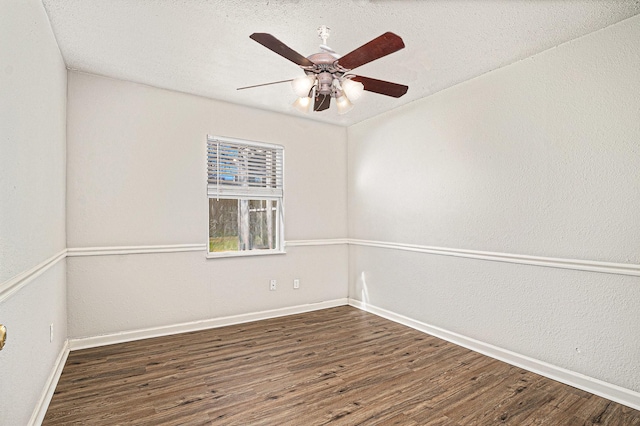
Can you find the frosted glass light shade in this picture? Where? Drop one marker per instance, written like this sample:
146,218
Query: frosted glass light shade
302,85
353,89
343,104
302,104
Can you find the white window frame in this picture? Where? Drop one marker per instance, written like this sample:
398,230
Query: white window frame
218,189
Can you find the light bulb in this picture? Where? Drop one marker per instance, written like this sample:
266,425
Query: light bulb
343,104
353,89
302,85
302,104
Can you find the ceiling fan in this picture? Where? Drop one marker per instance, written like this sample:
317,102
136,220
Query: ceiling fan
328,75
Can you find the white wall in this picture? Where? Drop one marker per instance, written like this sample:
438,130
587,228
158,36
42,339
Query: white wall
538,158
32,205
137,177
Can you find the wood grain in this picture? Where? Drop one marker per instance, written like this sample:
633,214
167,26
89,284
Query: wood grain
338,366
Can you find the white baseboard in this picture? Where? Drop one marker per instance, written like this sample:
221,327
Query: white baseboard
597,387
128,336
43,403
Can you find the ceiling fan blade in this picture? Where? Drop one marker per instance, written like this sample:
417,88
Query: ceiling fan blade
263,84
382,87
381,46
322,102
272,43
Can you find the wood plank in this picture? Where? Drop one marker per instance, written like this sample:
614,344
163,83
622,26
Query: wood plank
338,366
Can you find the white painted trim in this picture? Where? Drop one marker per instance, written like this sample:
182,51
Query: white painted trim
595,386
107,251
551,262
175,248
10,287
43,403
13,285
129,336
243,253
326,242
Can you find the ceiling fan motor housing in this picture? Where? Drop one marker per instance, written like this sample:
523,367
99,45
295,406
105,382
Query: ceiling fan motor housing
326,69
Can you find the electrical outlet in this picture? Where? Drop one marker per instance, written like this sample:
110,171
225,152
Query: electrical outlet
51,332
272,285
296,283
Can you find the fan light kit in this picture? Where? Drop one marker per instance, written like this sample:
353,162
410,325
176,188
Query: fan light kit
327,74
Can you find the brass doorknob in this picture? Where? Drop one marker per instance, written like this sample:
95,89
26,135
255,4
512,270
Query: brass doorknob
3,336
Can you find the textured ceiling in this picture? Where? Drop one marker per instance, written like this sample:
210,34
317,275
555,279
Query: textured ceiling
203,47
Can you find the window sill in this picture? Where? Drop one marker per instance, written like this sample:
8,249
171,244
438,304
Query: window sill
245,253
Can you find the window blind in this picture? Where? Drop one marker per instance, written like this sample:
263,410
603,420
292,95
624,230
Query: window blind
244,169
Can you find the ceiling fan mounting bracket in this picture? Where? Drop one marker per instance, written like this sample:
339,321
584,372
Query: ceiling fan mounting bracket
323,33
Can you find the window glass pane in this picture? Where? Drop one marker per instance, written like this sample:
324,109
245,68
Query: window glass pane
262,224
239,224
223,225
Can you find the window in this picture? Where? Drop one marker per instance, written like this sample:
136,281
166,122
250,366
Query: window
245,190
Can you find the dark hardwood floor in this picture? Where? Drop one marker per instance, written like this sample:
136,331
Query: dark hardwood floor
337,366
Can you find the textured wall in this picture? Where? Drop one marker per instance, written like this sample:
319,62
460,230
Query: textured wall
537,158
112,294
32,149
137,165
32,206
137,176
